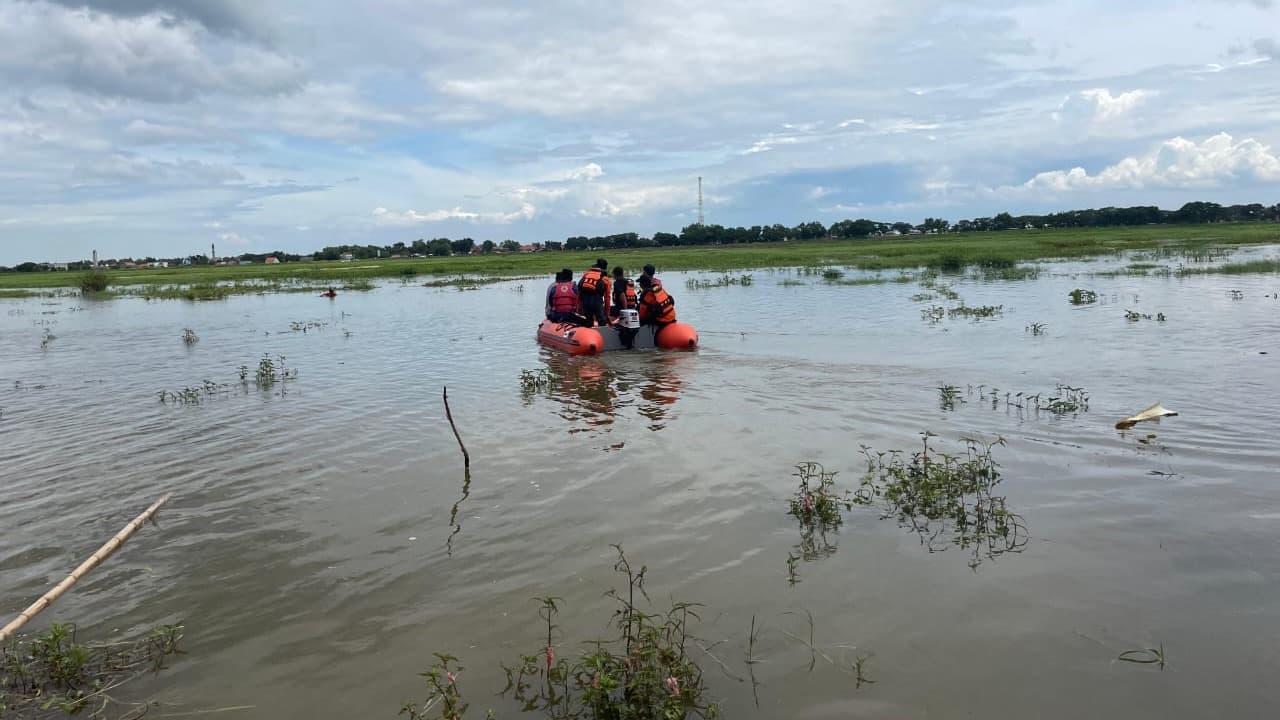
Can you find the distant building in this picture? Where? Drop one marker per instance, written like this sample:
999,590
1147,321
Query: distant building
346,257
272,260
57,266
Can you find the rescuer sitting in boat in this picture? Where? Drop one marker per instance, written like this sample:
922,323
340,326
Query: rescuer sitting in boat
624,293
593,292
656,306
649,271
562,300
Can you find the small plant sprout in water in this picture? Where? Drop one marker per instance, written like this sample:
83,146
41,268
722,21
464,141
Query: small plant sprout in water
442,691
1148,656
189,336
722,281
975,313
1132,316
933,314
1036,329
303,327
192,395
1083,297
948,396
1065,400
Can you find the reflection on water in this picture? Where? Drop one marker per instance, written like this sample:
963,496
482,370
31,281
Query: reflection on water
595,392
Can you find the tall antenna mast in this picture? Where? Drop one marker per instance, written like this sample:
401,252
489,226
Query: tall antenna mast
699,199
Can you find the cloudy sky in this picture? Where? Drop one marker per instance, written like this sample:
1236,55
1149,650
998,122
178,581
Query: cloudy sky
158,127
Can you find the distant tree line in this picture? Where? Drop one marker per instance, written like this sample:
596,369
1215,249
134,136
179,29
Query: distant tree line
1192,213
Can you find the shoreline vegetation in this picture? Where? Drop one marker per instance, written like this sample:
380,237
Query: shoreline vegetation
952,252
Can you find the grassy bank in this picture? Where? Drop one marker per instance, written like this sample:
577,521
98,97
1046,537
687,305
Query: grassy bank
994,249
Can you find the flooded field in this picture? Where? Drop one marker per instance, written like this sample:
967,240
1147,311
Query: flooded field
323,541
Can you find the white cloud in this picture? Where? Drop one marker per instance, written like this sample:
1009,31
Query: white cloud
1099,105
383,216
1176,163
587,172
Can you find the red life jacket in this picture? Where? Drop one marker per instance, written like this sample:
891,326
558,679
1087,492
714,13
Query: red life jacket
592,281
564,298
657,305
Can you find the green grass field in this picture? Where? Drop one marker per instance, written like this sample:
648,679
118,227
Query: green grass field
950,251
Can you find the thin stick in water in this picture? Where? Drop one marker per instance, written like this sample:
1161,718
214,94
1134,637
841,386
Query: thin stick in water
466,458
102,554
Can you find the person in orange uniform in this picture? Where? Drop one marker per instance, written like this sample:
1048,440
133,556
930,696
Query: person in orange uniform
593,292
624,293
656,306
649,270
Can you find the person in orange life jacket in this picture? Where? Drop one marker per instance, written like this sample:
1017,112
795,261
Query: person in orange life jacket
593,292
656,306
624,293
648,270
562,299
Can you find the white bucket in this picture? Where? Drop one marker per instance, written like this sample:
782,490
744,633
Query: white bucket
629,318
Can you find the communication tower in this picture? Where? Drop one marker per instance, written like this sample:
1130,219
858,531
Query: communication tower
699,199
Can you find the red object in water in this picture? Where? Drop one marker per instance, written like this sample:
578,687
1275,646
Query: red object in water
678,336
329,294
571,338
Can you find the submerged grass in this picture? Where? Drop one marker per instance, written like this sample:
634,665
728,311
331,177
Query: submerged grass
1267,265
55,674
947,499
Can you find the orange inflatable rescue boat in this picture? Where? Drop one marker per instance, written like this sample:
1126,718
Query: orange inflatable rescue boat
577,340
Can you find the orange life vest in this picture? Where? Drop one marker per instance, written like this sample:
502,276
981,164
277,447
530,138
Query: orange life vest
626,292
593,281
564,298
657,305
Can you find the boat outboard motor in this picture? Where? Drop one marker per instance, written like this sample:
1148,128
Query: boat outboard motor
629,319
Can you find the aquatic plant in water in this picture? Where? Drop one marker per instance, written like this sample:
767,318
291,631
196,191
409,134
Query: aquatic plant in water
269,372
643,672
1064,400
947,499
1146,656
976,313
54,672
722,281
817,505
189,336
1133,316
948,395
192,395
1080,296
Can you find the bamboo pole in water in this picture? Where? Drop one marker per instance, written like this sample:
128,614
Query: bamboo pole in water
102,554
